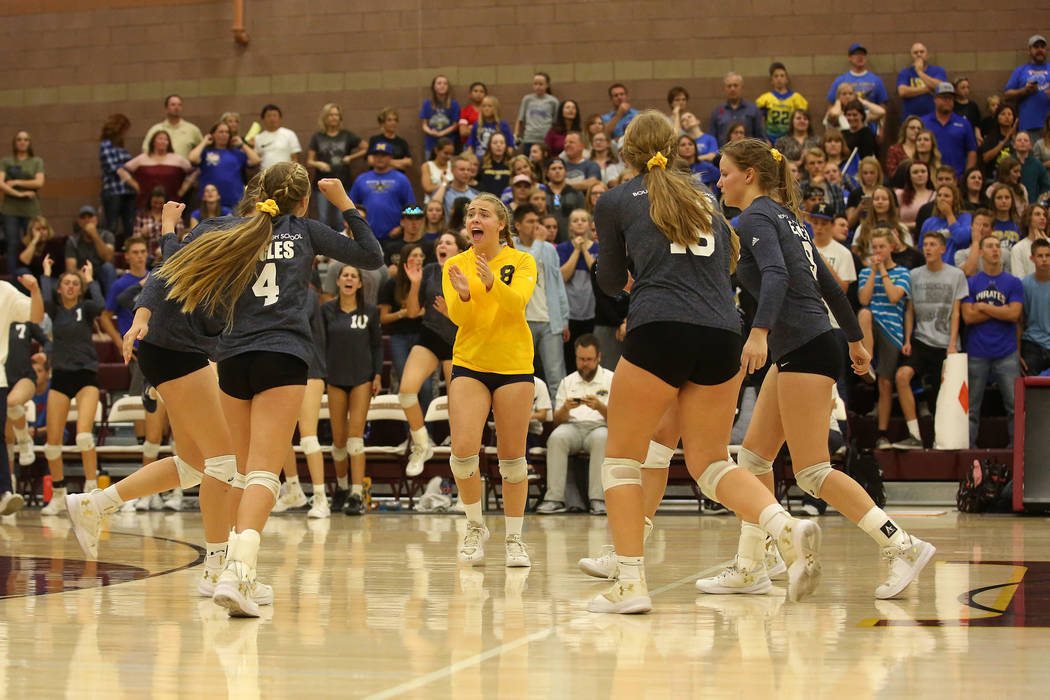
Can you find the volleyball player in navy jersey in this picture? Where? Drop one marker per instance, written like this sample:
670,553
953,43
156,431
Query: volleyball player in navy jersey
21,381
254,273
682,346
779,268
354,357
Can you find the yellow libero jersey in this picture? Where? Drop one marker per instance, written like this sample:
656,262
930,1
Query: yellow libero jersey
778,108
493,334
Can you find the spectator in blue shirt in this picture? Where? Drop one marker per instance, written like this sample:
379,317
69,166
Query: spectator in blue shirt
917,83
736,109
865,84
440,113
222,160
383,192
954,134
1029,87
1035,340
621,115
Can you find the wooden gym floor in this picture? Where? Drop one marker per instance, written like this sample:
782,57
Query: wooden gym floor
376,607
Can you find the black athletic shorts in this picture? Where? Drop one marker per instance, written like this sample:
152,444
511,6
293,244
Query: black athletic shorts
926,360
159,365
491,380
435,344
250,373
29,374
822,355
682,352
70,383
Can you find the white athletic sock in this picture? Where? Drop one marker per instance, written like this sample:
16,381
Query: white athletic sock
750,549
107,500
215,552
913,428
631,568
357,490
881,529
514,524
773,518
292,481
420,437
343,482
473,511
90,485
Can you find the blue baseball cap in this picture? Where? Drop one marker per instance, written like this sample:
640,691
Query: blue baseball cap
854,48
380,148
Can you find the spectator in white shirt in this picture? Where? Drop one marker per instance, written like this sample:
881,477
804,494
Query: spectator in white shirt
275,143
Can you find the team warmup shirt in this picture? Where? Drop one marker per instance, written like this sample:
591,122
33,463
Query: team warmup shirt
889,315
429,290
74,350
993,339
353,344
779,268
20,350
384,196
493,334
15,308
684,284
778,108
315,363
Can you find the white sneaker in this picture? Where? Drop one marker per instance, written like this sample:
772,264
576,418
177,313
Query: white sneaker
737,579
174,501
775,565
130,506
263,593
26,455
473,550
292,498
625,597
517,553
799,543
235,590
319,507
87,522
155,502
208,580
906,562
417,459
602,566
56,505
11,502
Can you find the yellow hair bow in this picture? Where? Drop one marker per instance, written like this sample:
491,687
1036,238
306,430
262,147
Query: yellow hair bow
657,161
777,155
269,206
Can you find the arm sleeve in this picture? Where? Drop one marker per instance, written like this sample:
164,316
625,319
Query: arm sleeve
152,294
457,308
837,301
362,250
1014,83
95,302
770,259
507,133
562,395
559,284
612,261
960,231
514,296
41,337
375,338
47,293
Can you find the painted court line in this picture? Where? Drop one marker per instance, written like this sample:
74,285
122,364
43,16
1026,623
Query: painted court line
447,671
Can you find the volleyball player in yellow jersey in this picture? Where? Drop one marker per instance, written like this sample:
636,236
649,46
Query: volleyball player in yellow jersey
486,289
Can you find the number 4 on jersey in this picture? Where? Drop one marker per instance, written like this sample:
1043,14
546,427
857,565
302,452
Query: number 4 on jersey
266,285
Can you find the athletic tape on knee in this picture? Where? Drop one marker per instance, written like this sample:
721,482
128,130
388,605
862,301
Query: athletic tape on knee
261,477
150,450
52,452
714,473
753,463
188,476
407,400
85,442
338,453
310,444
621,472
222,468
658,457
812,478
514,470
463,467
355,446
16,412
239,481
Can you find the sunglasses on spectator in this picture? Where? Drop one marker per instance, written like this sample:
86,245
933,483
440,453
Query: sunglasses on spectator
412,211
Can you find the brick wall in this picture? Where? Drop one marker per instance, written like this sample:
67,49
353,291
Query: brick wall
70,63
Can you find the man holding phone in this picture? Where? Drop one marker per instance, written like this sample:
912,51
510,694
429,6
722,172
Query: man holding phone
1029,88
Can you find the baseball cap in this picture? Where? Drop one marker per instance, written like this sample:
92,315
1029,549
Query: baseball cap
812,192
380,148
945,88
86,210
822,211
1035,39
854,48
521,178
412,211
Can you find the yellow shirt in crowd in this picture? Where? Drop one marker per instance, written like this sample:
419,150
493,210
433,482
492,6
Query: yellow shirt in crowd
493,334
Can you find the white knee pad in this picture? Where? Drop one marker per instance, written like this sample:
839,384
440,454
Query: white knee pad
222,468
261,477
150,450
621,472
52,452
85,442
239,481
753,463
812,478
658,457
355,446
407,400
463,467
338,453
514,470
310,444
16,412
714,473
188,476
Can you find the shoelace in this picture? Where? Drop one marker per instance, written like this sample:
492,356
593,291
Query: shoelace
472,540
516,547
